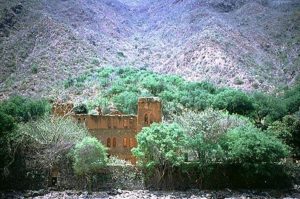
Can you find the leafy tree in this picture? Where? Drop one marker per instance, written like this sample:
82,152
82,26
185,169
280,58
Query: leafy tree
80,109
288,130
249,145
153,83
89,156
267,109
13,111
47,139
24,109
160,148
126,102
7,123
233,101
205,131
292,99
116,88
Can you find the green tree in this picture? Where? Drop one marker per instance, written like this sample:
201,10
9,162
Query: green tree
161,148
288,130
126,102
249,145
48,139
292,99
153,83
7,123
13,111
89,156
24,109
80,109
267,109
205,131
234,101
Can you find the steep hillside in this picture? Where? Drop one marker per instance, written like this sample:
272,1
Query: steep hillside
244,44
247,45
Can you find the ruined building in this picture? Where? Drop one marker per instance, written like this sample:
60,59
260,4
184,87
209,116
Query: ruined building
115,130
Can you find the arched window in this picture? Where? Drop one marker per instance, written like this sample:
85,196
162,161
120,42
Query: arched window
108,142
151,118
114,142
131,142
146,118
124,142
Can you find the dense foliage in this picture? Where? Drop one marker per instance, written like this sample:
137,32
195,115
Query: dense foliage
13,112
89,157
208,129
205,141
205,132
161,147
249,145
48,140
24,109
6,123
80,109
122,87
206,125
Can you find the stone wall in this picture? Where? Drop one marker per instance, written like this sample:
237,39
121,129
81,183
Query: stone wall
117,131
111,177
149,111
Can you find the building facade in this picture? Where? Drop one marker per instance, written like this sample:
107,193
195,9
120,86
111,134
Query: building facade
117,131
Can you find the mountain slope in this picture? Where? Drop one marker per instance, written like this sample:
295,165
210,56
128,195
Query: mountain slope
243,44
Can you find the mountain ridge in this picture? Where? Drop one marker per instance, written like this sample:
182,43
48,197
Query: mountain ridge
243,44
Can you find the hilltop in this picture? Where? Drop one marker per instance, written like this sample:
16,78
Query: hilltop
251,45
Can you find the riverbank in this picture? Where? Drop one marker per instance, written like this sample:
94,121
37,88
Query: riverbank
146,194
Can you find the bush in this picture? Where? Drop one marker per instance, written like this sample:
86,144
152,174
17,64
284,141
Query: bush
161,148
48,139
80,109
205,131
292,99
268,109
6,123
288,130
233,101
13,111
24,109
89,156
249,145
126,102
160,145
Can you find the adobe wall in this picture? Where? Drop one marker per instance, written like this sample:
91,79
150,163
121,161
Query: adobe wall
119,142
94,122
116,132
149,111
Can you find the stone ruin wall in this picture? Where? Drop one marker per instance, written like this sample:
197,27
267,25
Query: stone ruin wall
117,132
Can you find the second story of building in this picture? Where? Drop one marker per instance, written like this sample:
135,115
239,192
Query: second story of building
149,111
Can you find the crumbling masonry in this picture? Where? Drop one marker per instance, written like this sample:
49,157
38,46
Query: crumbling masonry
115,130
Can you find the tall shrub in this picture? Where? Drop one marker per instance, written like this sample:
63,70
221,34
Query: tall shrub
161,148
234,101
249,145
89,156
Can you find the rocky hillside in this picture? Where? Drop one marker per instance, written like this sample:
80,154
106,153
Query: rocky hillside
247,44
